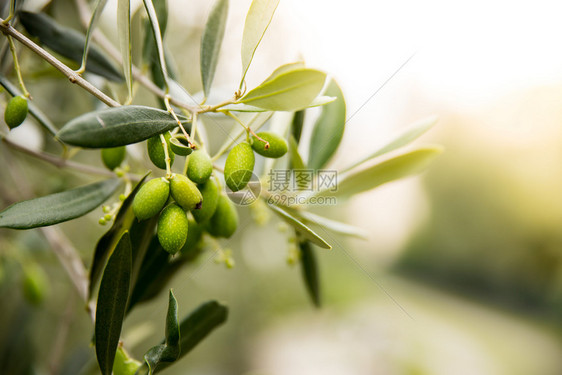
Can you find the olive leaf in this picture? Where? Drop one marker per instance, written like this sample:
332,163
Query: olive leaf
116,126
59,207
68,43
411,133
313,219
169,351
112,301
241,107
288,91
297,124
309,269
304,230
156,270
157,38
125,42
296,158
258,19
100,6
32,108
400,166
122,222
211,42
328,129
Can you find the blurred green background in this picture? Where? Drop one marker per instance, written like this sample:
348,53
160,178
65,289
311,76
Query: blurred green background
462,270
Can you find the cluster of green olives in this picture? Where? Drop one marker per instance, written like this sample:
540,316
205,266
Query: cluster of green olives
191,204
241,160
16,111
196,193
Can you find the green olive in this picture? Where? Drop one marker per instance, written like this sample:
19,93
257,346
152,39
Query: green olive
124,364
172,228
151,198
113,157
16,111
185,192
34,285
224,221
210,192
193,243
239,166
156,151
277,145
200,167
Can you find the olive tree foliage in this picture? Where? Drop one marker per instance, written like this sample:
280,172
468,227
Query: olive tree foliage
159,221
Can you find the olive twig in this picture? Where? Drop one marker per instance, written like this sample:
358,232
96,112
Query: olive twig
167,157
17,66
69,73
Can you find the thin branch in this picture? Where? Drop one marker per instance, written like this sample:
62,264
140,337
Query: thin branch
69,73
64,163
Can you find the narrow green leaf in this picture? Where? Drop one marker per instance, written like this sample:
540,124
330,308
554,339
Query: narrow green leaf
241,107
116,126
257,21
296,158
112,300
157,35
59,207
332,225
328,129
297,124
285,69
149,46
107,242
410,134
68,43
309,268
211,42
91,27
288,91
156,270
304,230
32,108
200,323
125,42
400,166
170,350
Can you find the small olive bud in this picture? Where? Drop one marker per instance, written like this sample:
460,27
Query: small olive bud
151,198
239,166
172,228
277,145
210,192
200,167
156,151
225,219
185,192
113,157
35,284
16,111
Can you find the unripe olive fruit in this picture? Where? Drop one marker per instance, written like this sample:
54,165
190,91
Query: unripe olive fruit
224,221
239,166
200,167
180,145
277,145
156,151
193,243
210,192
113,157
16,111
172,228
34,284
151,198
185,192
